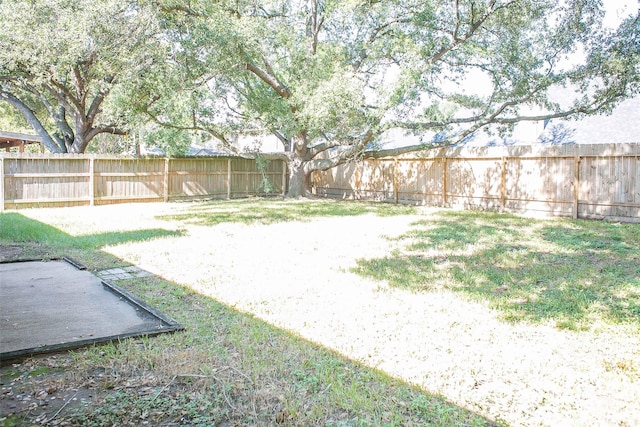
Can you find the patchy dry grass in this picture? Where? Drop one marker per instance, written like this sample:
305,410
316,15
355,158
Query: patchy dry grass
227,369
265,211
329,313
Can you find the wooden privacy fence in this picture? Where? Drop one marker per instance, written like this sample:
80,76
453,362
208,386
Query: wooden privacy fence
579,181
28,180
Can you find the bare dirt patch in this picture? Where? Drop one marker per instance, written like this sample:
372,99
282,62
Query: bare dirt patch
9,252
41,390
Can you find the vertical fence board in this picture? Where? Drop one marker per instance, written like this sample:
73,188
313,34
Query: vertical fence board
165,180
228,183
129,180
193,178
92,184
42,181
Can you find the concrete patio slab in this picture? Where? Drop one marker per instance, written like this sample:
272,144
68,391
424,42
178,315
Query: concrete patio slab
52,306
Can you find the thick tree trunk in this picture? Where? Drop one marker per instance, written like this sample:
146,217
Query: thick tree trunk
79,144
298,171
298,179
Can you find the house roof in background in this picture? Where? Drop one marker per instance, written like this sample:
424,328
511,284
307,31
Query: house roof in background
621,126
200,151
193,151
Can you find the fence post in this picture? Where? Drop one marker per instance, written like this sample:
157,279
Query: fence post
503,184
395,180
1,184
229,178
92,191
576,185
166,180
284,179
444,182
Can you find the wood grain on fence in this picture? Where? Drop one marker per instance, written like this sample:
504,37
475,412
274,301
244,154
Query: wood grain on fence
131,180
194,178
580,181
30,180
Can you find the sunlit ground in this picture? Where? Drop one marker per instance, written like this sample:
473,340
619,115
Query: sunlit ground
301,276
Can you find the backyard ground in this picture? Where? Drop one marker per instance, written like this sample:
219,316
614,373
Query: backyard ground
329,313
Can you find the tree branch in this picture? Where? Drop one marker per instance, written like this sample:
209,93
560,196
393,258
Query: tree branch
57,116
473,29
33,120
269,79
94,108
315,21
78,82
397,151
285,142
66,99
324,146
104,129
343,156
210,131
179,8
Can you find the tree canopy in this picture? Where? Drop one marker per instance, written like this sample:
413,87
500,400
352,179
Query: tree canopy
64,64
327,77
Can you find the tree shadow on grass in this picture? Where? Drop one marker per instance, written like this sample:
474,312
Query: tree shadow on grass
15,227
228,368
575,273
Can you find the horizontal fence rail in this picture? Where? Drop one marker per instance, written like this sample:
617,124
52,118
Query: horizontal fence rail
32,180
579,181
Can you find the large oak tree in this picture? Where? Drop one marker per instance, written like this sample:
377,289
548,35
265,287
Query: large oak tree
328,77
66,66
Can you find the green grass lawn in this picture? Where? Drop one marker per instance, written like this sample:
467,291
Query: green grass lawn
576,274
229,368
269,211
226,369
